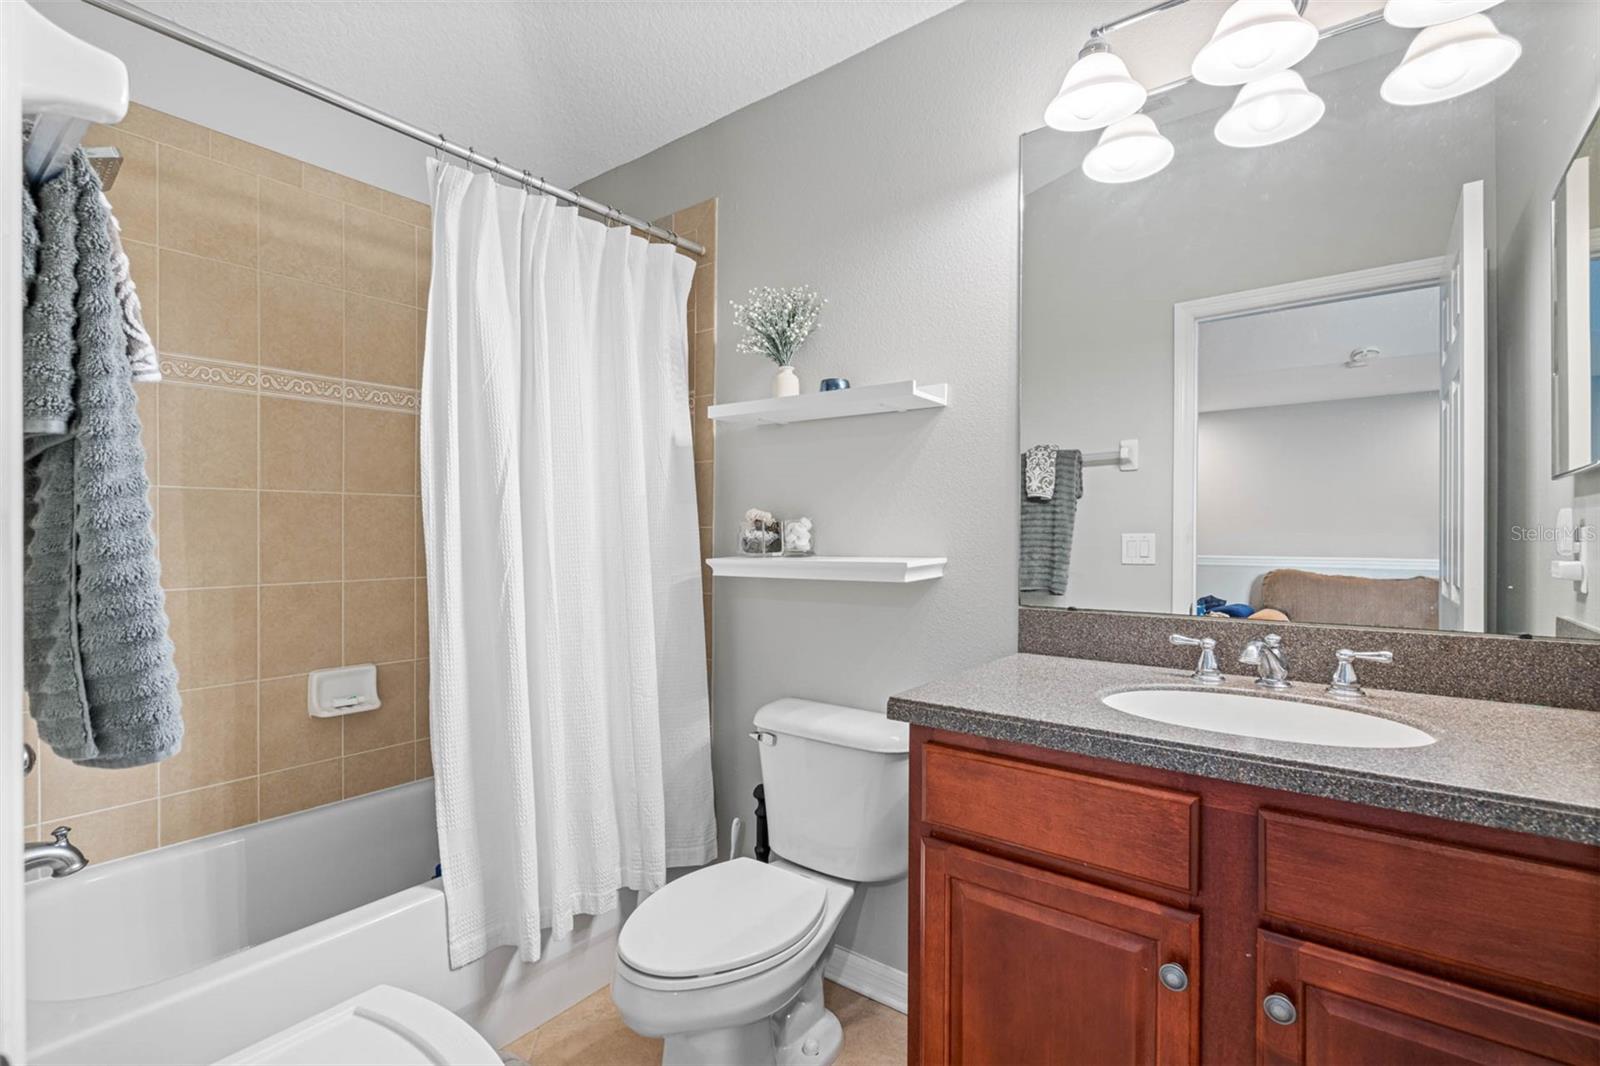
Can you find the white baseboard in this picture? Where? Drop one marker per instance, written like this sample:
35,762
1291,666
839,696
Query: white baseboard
871,978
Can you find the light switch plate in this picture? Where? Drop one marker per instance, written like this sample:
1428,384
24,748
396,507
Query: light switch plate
1138,549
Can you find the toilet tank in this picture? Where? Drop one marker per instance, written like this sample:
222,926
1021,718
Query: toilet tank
836,787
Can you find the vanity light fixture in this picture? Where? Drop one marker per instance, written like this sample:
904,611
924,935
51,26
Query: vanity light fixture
1448,60
1255,38
1128,151
1271,110
1097,91
1415,14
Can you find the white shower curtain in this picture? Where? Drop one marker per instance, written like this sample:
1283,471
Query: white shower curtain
570,722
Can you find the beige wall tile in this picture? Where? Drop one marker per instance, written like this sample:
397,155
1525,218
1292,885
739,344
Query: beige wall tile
380,341
421,340
424,726
703,365
379,256
207,208
168,129
422,618
300,534
143,266
384,768
339,187
301,788
302,326
207,437
395,722
704,296
378,621
289,735
378,532
299,628
208,309
214,632
208,810
300,234
69,789
207,537
112,834
301,445
257,160
424,760
412,212
380,451
133,196
219,739
424,264
421,542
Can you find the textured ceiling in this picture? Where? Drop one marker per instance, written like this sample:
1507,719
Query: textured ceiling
569,89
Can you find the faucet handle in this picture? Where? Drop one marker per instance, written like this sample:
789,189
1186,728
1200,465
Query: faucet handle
1207,672
1345,685
60,833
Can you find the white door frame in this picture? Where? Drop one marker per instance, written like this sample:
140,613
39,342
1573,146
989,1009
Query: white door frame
12,999
1186,319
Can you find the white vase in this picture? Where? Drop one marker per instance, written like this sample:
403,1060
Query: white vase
786,382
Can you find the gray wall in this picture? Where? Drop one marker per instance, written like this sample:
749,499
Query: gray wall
1536,145
889,183
1332,467
1103,265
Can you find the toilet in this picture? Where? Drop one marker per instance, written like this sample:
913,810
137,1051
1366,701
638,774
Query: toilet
725,963
383,1026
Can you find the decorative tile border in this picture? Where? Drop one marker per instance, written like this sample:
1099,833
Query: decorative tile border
243,378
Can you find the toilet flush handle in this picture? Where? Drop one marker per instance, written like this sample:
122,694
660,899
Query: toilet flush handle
761,736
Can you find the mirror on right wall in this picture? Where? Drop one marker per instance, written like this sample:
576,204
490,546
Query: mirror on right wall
1347,376
1575,295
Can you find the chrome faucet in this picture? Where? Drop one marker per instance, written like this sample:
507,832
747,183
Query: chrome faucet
1269,659
1206,673
1345,685
60,856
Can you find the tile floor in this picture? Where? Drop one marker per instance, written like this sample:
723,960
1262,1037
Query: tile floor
591,1034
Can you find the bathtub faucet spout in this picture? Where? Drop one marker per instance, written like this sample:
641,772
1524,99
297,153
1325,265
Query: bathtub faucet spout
60,856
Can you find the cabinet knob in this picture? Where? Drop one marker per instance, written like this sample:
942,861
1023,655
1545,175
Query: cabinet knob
1280,1009
1173,977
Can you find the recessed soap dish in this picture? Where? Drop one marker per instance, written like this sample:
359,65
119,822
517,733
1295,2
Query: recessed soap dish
343,690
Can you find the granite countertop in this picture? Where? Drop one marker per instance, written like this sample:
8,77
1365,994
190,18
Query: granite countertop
1506,765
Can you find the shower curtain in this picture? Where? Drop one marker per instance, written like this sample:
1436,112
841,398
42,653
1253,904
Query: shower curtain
570,720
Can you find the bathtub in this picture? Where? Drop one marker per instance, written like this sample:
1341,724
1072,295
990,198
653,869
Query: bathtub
191,952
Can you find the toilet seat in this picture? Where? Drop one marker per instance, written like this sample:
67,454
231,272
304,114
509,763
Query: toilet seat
722,922
383,1026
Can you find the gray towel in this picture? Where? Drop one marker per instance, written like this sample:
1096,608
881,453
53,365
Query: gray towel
99,665
1047,527
48,318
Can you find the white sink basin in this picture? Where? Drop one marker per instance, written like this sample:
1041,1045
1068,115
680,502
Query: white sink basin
1254,716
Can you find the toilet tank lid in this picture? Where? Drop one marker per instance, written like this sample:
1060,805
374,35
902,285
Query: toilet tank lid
848,727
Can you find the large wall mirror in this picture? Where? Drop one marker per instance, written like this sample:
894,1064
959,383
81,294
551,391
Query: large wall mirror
1311,381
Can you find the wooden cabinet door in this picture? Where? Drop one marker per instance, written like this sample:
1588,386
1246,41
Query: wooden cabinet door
1021,966
1349,1010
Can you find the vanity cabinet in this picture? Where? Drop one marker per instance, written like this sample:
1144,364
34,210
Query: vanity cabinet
1068,910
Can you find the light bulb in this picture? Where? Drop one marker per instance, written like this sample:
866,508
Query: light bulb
1254,38
1097,91
1269,111
1448,60
1128,151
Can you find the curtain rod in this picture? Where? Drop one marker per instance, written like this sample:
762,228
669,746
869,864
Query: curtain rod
167,28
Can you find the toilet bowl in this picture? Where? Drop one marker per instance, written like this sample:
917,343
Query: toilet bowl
725,963
383,1026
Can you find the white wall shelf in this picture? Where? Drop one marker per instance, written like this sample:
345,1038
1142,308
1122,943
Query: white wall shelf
895,569
842,403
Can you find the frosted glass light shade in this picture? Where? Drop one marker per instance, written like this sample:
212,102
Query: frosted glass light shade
1273,109
1254,39
1097,91
1128,150
1448,60
1415,14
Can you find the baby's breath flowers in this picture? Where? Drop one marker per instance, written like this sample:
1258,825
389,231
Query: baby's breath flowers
777,321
